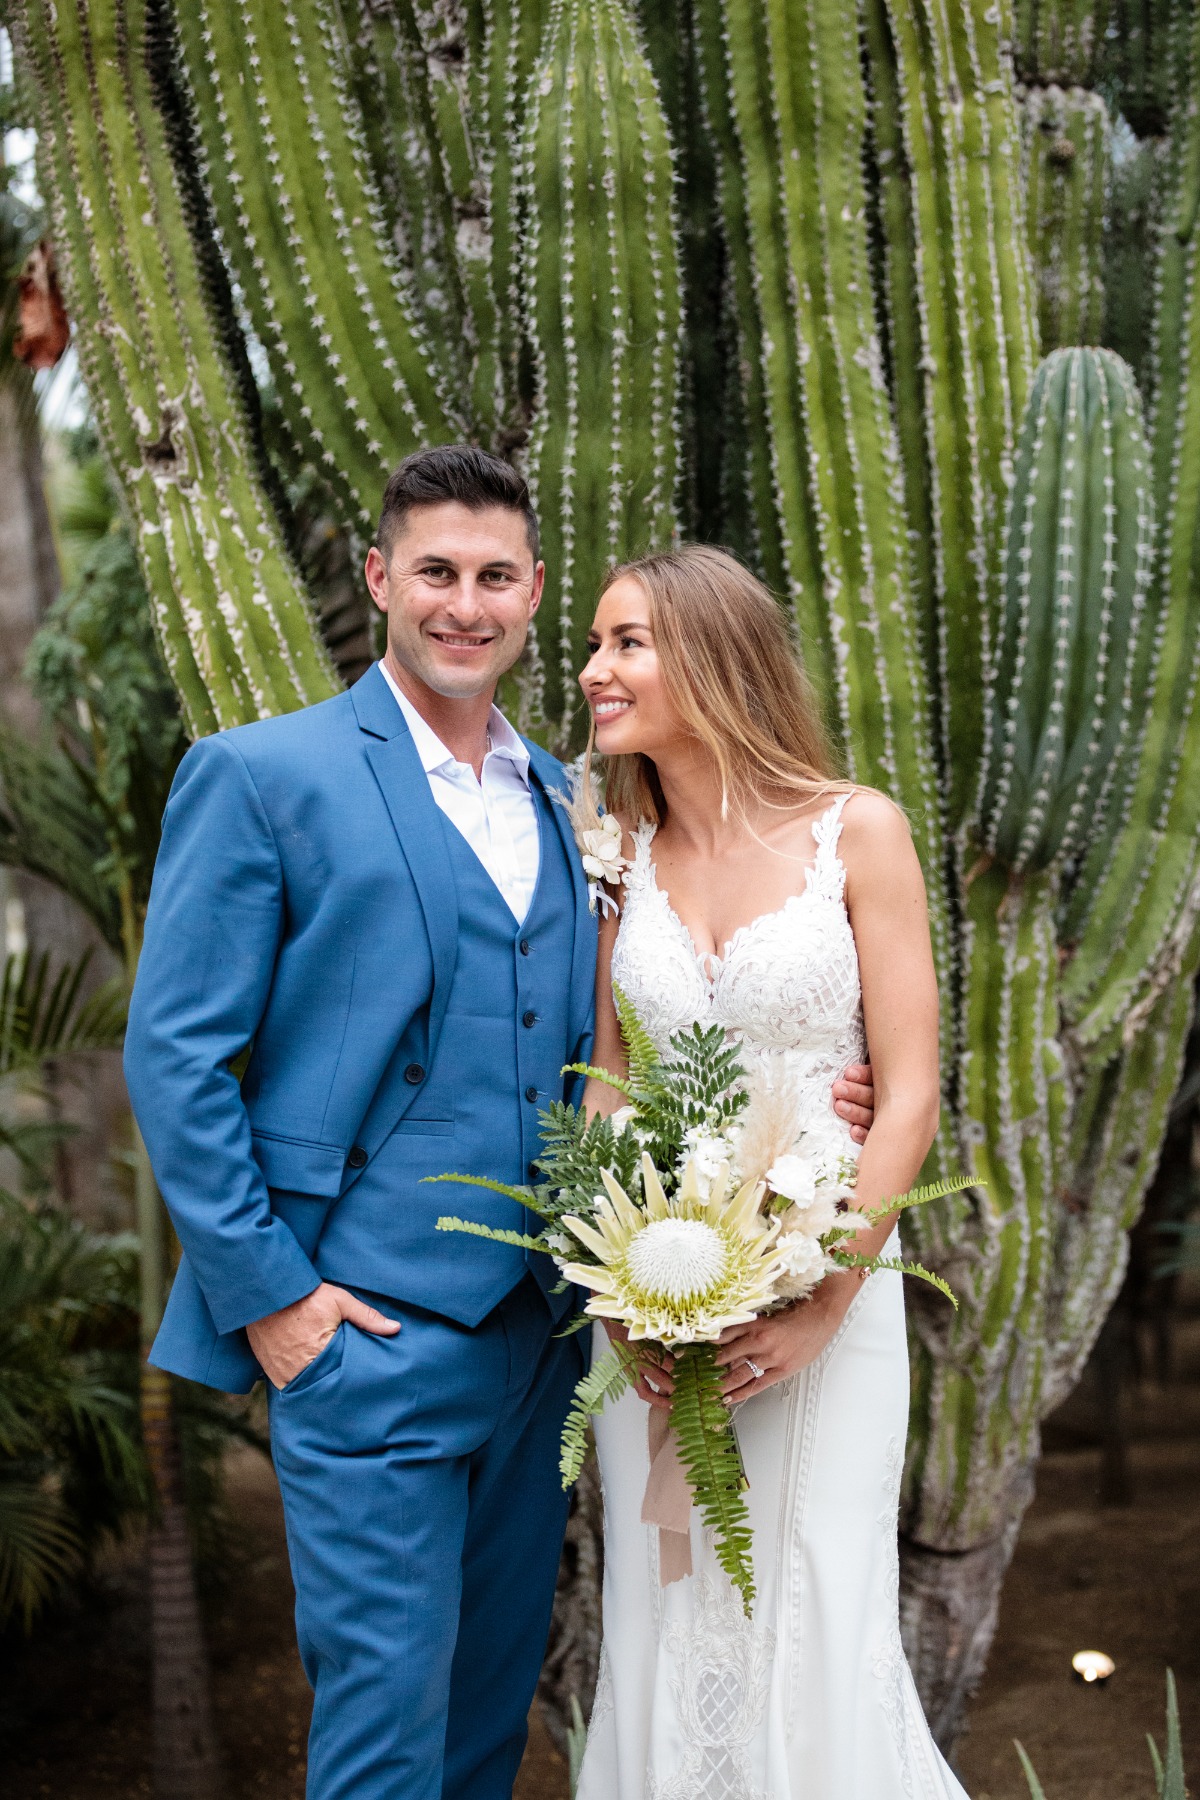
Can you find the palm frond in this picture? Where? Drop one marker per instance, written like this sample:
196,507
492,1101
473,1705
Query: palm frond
42,1014
39,1549
615,1371
51,826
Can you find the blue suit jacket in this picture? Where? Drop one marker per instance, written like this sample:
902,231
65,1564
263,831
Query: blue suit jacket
303,902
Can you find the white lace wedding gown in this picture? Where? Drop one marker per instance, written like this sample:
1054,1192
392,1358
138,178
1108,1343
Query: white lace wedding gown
811,1699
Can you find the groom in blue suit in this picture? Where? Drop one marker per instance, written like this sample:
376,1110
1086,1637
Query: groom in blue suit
379,898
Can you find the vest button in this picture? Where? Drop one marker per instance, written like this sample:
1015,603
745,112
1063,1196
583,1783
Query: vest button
523,946
531,1094
414,1073
528,1019
357,1157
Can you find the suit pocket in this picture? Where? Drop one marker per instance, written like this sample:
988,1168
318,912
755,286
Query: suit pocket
324,1364
410,1127
299,1164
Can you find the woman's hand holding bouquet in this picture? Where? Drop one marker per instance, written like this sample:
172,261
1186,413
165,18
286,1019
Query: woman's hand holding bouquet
699,1209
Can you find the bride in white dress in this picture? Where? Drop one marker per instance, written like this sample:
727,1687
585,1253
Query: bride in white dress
767,896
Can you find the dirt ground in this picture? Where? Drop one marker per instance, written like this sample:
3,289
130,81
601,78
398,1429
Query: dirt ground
1126,1580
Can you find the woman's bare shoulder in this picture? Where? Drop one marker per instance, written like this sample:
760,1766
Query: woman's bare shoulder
876,836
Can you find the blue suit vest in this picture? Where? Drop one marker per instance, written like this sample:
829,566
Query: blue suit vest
500,1052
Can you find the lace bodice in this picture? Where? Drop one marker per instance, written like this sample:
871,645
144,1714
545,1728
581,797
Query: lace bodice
786,987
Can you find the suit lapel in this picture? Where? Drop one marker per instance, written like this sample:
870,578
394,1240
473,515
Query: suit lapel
550,776
418,825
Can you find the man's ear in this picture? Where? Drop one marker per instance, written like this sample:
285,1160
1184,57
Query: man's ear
375,570
539,582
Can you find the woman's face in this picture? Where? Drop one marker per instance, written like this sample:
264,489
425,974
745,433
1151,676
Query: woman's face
622,680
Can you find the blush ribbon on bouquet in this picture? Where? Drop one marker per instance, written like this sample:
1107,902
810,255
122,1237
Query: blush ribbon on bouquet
667,1501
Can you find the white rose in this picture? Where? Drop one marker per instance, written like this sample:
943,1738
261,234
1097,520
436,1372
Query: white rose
794,1178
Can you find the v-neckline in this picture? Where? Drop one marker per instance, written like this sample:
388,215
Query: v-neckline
710,960
720,958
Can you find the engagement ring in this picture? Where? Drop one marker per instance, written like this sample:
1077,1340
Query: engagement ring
754,1369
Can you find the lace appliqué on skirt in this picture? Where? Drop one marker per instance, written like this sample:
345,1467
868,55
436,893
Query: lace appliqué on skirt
722,1671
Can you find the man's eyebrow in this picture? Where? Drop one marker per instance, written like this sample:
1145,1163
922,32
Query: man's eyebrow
450,562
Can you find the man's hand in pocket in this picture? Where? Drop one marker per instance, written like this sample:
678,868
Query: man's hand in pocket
285,1342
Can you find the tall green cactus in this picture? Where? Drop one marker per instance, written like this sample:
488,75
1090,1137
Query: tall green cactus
1066,162
1070,659
601,296
166,369
802,228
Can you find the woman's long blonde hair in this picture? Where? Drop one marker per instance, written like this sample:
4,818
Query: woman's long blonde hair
735,679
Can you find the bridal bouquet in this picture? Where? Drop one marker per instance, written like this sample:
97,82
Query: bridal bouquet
699,1205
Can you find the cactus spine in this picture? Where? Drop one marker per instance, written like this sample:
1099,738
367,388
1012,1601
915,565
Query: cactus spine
458,217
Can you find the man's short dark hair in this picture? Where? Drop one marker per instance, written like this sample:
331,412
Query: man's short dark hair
452,472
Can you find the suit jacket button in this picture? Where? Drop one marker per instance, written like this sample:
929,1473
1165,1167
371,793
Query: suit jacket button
357,1157
533,1171
414,1073
523,946
528,1019
531,1094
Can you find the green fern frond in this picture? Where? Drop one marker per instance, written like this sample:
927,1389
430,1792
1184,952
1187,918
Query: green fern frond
845,1259
577,1323
609,1377
644,1060
574,1149
496,1234
708,1449
594,1074
920,1196
524,1196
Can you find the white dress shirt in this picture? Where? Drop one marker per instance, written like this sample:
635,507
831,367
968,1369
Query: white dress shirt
495,813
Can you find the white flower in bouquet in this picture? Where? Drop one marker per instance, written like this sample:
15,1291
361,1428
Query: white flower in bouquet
677,1271
802,1263
710,1157
601,847
794,1177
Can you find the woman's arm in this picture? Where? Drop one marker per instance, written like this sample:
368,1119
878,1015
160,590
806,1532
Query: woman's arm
608,1051
885,896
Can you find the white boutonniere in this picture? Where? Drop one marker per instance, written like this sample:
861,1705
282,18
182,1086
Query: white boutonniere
603,864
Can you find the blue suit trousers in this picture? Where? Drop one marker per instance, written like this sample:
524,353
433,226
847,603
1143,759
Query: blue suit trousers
425,1517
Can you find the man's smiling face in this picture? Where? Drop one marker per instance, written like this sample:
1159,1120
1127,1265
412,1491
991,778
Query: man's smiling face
459,588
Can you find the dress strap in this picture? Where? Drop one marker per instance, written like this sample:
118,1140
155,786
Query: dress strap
828,873
639,868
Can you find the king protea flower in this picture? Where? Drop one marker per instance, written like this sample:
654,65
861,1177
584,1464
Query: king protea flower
680,1270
